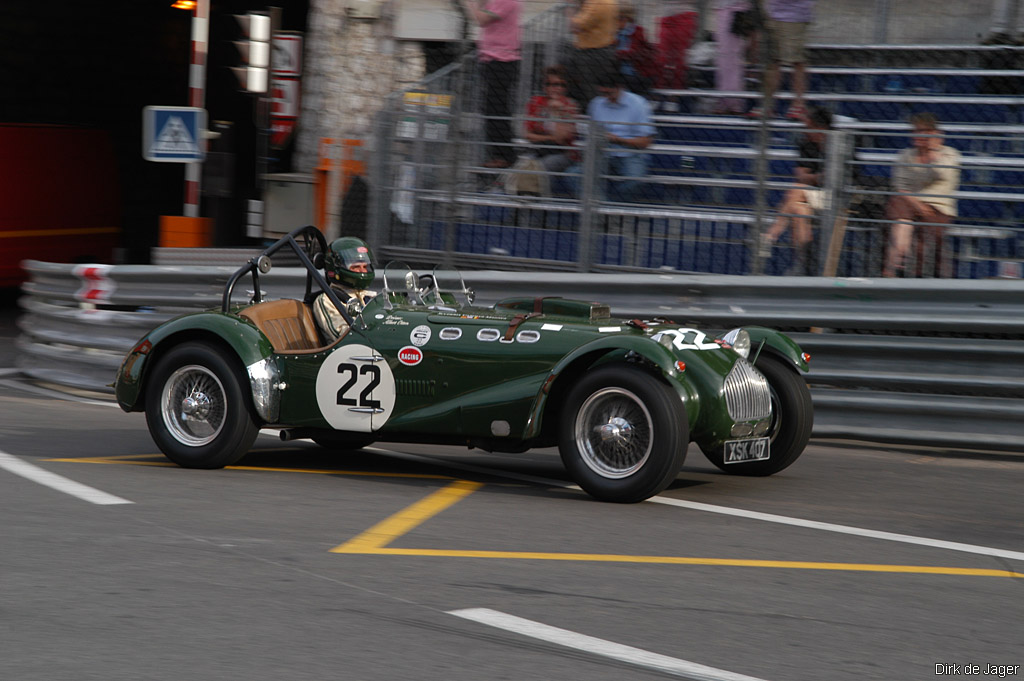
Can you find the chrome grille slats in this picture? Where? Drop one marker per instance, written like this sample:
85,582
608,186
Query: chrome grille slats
746,393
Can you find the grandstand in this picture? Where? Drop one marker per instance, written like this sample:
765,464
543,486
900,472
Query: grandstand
714,181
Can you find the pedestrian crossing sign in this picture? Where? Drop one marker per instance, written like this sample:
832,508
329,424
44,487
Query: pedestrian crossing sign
173,134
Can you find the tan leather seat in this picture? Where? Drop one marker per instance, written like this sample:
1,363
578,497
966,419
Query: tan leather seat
288,324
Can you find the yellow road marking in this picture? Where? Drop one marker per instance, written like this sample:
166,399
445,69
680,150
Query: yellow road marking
679,560
134,460
390,529
375,540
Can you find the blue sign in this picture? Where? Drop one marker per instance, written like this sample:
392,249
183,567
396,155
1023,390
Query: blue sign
173,134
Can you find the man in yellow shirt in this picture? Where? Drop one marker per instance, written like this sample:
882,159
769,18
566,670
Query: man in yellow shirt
594,24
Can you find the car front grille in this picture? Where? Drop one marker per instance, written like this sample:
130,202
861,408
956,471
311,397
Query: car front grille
746,393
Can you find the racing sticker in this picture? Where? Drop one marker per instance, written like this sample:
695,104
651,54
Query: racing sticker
410,355
355,389
420,335
687,339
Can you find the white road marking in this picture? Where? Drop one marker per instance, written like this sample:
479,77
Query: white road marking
737,512
13,464
842,529
598,646
56,394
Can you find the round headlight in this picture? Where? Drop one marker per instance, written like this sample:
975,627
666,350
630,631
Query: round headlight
740,342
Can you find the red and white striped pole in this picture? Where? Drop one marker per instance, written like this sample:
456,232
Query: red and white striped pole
197,98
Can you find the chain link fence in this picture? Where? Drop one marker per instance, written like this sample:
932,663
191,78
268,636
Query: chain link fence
674,153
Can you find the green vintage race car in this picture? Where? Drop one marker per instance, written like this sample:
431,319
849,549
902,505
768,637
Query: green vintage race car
622,399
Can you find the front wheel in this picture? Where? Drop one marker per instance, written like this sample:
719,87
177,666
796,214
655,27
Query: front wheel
791,422
198,408
624,434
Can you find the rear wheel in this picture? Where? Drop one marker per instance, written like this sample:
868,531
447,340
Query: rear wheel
198,408
624,434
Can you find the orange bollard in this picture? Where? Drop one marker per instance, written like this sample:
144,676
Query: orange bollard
177,231
321,181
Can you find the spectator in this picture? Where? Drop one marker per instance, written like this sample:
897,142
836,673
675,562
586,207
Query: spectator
787,25
498,49
550,124
627,121
731,61
638,59
802,201
593,24
676,31
925,178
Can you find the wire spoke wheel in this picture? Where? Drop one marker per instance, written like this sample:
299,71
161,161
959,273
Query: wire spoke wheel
623,433
614,433
198,406
193,405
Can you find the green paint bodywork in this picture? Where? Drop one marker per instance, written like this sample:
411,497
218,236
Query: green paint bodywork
239,335
491,393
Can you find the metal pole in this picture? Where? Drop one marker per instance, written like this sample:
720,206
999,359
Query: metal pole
588,194
836,150
197,98
881,36
763,139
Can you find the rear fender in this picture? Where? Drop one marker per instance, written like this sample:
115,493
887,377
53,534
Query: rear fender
235,334
559,379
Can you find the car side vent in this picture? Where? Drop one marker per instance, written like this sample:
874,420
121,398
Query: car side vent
415,387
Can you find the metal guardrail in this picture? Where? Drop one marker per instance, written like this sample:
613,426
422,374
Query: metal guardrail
894,361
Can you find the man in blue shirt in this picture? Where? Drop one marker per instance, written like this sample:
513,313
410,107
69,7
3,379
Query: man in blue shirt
626,119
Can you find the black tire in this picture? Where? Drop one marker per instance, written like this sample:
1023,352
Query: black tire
340,441
792,419
198,407
623,435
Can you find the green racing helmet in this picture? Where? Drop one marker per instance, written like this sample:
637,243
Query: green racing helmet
341,255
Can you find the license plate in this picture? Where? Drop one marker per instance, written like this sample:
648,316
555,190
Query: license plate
740,451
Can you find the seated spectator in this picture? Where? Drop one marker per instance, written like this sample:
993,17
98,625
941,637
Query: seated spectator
638,59
549,125
925,178
626,119
800,202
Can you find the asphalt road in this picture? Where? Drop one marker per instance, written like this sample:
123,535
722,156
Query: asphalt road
413,562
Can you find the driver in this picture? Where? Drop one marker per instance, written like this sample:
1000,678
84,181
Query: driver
348,266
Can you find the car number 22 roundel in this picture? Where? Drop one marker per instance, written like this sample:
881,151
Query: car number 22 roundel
355,389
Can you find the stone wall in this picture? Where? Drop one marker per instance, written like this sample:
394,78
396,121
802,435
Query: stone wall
351,65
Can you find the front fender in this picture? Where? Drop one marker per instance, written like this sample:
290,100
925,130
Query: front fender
591,353
778,344
237,334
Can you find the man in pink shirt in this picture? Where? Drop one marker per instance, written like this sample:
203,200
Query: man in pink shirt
498,50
